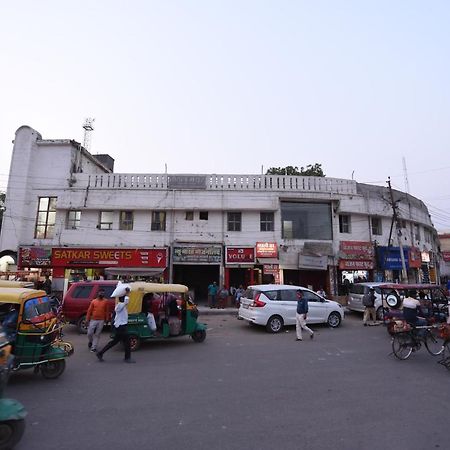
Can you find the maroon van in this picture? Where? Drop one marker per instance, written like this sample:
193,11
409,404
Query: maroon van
79,296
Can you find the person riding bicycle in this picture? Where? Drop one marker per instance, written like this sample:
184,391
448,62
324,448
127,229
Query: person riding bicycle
411,309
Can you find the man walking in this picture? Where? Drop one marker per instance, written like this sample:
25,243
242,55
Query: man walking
121,331
96,316
212,294
302,312
369,303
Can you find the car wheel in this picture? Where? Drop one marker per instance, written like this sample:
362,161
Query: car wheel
393,300
334,319
53,369
82,325
275,324
198,336
379,314
135,342
11,432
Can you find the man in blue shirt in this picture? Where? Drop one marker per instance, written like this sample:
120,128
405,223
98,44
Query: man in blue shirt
302,312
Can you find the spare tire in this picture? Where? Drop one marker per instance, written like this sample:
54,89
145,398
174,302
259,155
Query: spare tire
393,300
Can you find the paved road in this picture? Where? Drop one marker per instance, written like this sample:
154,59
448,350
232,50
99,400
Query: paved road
242,389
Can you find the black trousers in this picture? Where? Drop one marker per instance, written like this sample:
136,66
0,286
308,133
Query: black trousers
121,335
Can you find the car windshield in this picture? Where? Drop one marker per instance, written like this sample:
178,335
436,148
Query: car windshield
36,307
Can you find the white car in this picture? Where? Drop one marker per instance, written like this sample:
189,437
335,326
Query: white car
275,305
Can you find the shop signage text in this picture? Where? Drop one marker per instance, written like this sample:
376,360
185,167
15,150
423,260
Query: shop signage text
362,249
105,257
34,257
389,258
355,264
211,254
312,262
266,250
240,255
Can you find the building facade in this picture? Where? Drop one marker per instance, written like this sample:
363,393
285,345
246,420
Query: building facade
68,212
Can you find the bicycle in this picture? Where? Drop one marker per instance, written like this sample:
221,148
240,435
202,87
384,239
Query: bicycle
410,339
444,330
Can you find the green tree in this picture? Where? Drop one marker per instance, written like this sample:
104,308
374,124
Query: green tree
308,171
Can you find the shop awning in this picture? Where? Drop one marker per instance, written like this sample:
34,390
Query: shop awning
136,271
268,261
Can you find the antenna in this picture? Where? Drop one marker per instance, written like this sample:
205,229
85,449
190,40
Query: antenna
405,174
88,129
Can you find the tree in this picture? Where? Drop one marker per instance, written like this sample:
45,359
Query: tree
308,171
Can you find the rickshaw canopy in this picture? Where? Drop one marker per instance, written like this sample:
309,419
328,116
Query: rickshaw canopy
16,284
19,295
404,286
157,288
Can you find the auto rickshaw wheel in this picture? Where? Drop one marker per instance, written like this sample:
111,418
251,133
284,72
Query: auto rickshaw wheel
135,342
82,325
198,335
11,432
53,369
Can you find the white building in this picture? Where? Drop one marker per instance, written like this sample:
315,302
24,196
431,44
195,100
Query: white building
66,210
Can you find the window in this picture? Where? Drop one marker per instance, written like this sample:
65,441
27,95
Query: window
266,221
126,220
234,221
82,291
271,295
46,218
427,234
402,223
73,220
189,215
306,220
376,226
311,297
108,288
158,221
288,295
106,220
344,223
203,215
416,232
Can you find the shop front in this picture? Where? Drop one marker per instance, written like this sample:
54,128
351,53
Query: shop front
197,266
76,264
314,272
239,266
268,265
389,263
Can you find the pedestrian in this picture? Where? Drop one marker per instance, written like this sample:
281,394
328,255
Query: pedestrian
96,316
369,303
212,294
121,331
223,297
239,293
321,292
47,285
301,315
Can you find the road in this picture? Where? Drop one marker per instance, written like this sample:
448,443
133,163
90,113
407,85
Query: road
241,389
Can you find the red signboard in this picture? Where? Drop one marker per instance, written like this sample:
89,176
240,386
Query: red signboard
361,249
34,257
446,256
355,264
107,257
415,258
266,250
240,255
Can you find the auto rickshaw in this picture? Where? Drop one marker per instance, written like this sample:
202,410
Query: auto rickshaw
12,413
16,284
173,312
34,331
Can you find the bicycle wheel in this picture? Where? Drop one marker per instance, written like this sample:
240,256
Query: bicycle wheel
434,343
402,346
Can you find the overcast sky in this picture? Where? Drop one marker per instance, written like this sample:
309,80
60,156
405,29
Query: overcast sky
236,86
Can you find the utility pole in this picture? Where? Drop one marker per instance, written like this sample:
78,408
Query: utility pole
396,219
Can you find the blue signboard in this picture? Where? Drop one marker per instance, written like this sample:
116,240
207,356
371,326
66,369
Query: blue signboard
389,258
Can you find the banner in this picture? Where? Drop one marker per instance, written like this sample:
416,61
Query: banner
240,255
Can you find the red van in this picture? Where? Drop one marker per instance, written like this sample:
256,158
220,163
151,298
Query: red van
79,296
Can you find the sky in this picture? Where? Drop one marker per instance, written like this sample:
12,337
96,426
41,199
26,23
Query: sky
236,87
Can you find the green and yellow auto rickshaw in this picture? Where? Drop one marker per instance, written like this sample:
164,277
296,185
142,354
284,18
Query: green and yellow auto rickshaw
157,311
34,331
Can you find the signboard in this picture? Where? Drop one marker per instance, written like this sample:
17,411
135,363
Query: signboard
206,254
415,258
266,250
361,249
389,258
312,262
239,255
355,264
107,257
272,269
186,182
34,257
446,256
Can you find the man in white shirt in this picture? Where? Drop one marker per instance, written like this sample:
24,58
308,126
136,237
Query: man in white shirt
411,308
121,331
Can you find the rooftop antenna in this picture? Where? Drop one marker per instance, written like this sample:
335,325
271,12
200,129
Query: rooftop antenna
405,174
88,129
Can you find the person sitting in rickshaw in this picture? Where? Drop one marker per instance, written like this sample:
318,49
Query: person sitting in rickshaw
412,309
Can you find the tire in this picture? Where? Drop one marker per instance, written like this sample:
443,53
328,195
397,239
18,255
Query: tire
82,325
53,369
433,343
198,336
11,431
393,300
402,346
334,320
135,342
379,314
275,324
